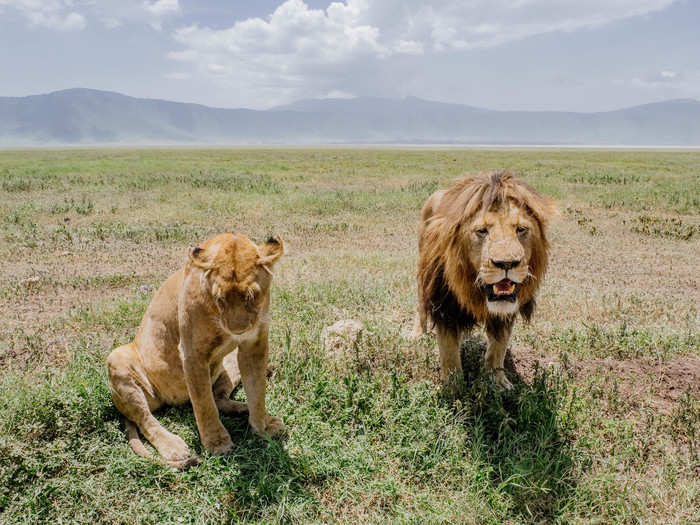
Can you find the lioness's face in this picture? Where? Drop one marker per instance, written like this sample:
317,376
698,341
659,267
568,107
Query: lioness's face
500,247
240,275
241,310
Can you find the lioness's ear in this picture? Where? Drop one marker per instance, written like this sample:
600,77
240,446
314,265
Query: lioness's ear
198,257
271,251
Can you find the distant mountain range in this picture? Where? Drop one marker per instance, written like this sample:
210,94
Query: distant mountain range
87,116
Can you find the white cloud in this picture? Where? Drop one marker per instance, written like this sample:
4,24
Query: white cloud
51,14
337,93
177,75
67,15
656,78
668,75
162,7
298,51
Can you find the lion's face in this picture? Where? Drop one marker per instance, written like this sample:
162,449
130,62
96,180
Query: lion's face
482,250
239,275
500,245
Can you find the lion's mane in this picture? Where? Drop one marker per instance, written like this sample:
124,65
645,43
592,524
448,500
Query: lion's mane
448,287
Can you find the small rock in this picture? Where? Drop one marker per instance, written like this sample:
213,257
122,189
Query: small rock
145,289
342,336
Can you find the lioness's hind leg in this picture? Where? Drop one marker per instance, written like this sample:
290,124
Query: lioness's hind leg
126,383
226,383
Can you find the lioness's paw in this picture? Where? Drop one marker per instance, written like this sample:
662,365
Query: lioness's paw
173,448
231,407
499,377
185,463
275,427
218,442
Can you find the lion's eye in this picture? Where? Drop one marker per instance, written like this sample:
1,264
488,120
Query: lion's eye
522,230
482,232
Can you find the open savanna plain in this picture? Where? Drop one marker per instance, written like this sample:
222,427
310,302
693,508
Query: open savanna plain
603,424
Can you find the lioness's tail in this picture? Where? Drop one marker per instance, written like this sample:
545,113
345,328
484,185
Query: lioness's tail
135,442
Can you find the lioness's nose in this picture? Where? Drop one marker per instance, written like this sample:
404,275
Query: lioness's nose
505,265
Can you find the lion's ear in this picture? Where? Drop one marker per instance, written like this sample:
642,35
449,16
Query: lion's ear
546,209
271,251
199,257
540,206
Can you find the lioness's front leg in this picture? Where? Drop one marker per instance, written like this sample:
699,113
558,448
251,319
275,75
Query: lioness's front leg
212,432
252,361
498,333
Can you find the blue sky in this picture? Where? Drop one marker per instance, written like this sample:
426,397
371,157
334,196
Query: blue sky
526,54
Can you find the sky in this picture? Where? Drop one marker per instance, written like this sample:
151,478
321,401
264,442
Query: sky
569,55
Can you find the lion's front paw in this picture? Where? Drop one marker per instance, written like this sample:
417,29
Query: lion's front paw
218,441
499,377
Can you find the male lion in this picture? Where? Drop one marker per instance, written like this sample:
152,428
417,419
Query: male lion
183,351
482,255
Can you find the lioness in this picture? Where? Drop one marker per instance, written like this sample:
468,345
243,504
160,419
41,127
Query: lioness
483,253
183,351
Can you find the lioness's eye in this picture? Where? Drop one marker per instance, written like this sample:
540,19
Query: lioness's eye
522,230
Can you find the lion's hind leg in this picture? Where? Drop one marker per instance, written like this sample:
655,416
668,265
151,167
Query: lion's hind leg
129,388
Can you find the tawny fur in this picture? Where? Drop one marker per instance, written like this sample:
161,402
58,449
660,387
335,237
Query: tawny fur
454,265
205,330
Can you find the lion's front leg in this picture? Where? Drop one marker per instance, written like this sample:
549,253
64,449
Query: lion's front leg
420,323
212,432
252,361
498,332
450,360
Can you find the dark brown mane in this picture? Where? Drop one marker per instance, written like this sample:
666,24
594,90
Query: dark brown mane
446,278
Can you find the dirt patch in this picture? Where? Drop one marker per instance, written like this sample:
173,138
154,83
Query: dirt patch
663,384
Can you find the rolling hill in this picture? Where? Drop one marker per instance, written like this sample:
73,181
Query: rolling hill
86,116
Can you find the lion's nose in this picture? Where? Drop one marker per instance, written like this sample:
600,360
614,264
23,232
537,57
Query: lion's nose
505,265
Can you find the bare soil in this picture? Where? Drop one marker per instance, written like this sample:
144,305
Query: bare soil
661,383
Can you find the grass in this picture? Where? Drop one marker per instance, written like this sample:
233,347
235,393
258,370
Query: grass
88,235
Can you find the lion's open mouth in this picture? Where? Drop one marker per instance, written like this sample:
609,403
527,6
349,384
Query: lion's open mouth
504,290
